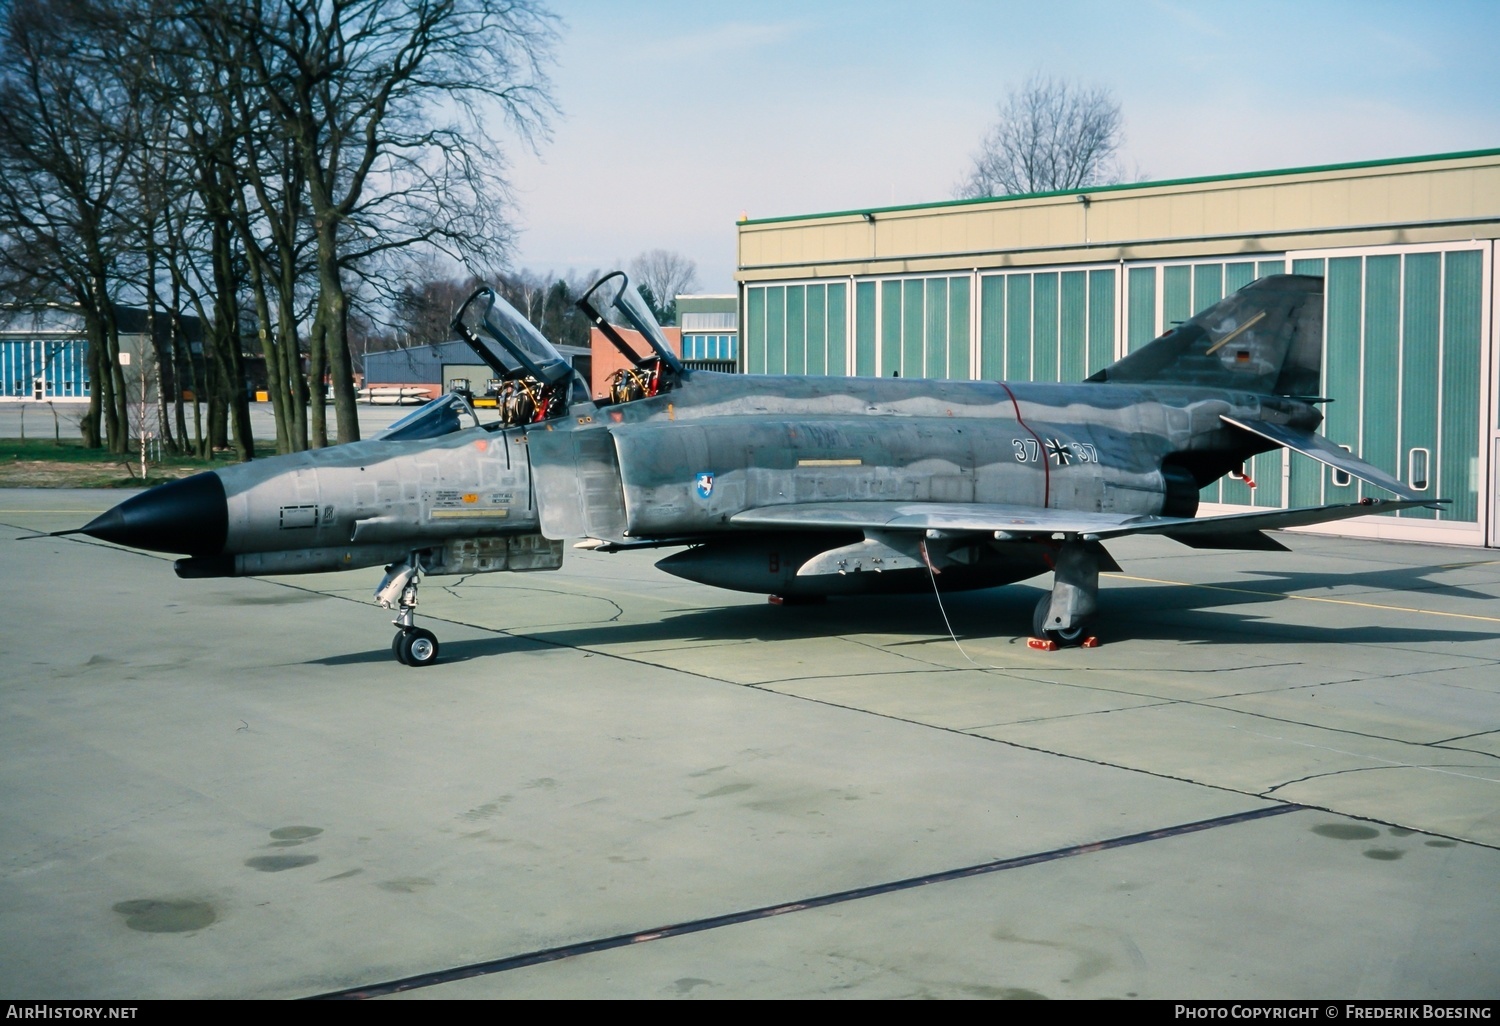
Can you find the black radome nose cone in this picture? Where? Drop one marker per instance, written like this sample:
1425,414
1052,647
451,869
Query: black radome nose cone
189,516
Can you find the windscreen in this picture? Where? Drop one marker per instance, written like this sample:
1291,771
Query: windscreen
442,416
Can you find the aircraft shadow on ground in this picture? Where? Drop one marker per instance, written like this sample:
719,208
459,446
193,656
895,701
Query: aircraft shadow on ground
452,651
1121,619
1128,612
1398,580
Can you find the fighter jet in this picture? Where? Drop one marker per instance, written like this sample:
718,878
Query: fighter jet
795,487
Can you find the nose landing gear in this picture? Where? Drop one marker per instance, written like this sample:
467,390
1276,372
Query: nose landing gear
412,645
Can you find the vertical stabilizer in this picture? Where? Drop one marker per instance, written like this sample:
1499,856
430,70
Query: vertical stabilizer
1267,337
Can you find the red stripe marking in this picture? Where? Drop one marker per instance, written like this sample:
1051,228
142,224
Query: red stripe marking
1040,448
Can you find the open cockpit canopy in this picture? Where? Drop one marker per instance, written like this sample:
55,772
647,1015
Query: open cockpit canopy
486,318
536,382
612,301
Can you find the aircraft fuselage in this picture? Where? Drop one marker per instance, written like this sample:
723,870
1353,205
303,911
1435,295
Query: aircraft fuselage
792,486
687,462
683,464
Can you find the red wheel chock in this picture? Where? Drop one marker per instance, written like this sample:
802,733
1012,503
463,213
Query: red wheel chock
1048,645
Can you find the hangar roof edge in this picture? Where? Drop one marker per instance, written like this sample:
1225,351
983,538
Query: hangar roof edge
1124,186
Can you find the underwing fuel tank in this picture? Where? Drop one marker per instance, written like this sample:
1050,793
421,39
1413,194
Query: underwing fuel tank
770,564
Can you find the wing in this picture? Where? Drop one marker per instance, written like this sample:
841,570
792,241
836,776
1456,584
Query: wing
1014,523
962,517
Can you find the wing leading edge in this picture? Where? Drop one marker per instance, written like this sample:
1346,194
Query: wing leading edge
1014,523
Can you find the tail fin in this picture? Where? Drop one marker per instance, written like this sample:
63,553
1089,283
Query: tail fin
1267,337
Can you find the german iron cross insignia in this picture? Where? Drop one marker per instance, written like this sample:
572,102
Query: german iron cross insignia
1059,451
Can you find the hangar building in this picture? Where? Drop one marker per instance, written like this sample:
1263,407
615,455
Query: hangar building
432,369
44,353
1053,286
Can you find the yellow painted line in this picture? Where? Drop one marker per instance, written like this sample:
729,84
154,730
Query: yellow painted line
830,463
19,512
1307,598
468,515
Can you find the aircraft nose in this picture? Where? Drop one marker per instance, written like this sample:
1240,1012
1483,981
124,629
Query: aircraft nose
189,516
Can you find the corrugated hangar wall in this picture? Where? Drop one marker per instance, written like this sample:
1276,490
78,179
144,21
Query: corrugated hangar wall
1407,250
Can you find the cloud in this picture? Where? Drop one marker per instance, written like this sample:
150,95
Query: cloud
1192,19
733,38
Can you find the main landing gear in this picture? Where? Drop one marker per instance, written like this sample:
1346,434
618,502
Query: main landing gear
1062,619
1058,637
412,645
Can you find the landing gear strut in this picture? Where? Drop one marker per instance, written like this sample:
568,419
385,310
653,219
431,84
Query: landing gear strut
412,645
1064,616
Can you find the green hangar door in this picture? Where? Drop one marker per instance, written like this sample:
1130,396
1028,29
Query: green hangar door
1403,359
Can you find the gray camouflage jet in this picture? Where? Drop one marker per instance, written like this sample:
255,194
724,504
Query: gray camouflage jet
795,487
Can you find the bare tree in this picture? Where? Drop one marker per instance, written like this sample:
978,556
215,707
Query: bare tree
144,387
1051,136
666,275
271,163
547,301
423,308
385,106
62,110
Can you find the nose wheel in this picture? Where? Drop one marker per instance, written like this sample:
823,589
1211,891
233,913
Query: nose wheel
415,646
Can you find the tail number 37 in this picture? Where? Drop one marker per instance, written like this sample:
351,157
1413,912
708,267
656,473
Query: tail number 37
1030,450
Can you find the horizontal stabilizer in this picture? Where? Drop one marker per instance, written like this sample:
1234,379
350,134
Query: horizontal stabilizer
1324,451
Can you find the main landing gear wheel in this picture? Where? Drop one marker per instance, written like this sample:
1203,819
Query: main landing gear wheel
1065,637
416,647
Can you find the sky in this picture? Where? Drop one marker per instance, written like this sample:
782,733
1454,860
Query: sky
677,118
